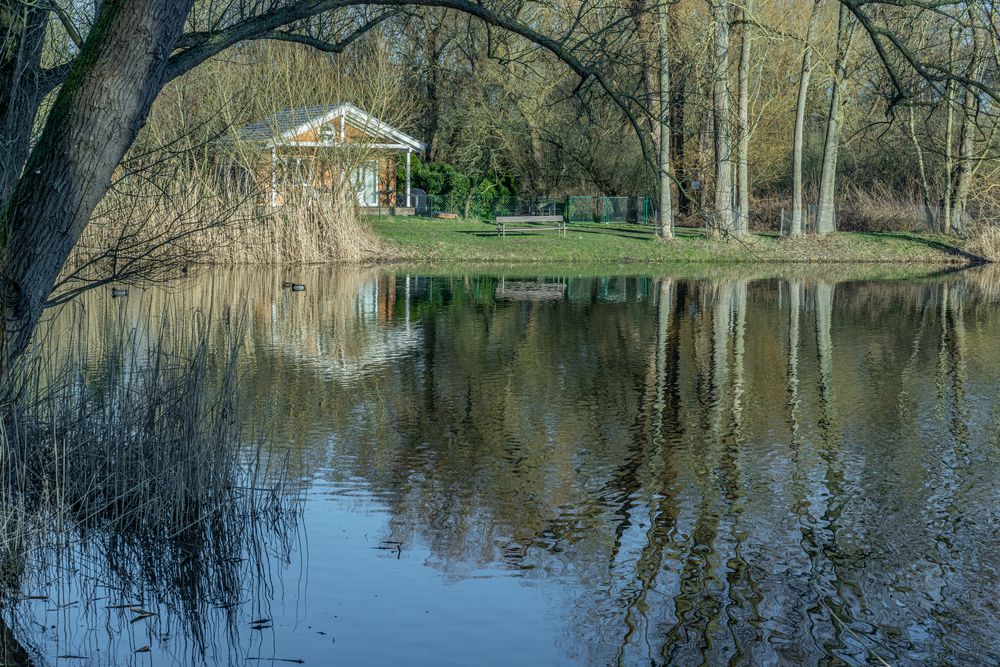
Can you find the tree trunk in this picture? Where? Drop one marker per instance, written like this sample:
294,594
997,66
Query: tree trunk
432,76
743,148
539,183
723,207
826,207
925,188
468,204
964,167
706,132
12,652
678,98
664,183
22,34
949,134
94,119
796,227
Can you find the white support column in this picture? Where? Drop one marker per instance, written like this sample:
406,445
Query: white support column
343,129
408,153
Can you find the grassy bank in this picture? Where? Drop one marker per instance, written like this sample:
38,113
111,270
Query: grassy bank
456,241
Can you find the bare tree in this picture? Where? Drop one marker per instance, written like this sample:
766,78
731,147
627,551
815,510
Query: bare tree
722,214
664,180
743,149
796,227
825,208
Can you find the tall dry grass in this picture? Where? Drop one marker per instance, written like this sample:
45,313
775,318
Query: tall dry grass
144,233
310,229
984,241
872,207
876,207
125,451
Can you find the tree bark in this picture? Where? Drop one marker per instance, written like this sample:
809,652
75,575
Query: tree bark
743,147
22,87
949,158
678,98
95,117
432,77
796,228
723,206
964,166
826,206
925,188
664,183
706,148
12,652
539,181
949,134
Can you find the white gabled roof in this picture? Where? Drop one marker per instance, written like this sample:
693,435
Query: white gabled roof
285,125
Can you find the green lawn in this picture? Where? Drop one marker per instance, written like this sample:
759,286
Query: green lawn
459,241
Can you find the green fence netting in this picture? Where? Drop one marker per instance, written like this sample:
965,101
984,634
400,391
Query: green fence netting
600,210
609,210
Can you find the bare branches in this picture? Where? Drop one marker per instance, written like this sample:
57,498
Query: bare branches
327,46
889,43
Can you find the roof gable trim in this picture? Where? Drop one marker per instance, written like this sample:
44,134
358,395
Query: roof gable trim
359,119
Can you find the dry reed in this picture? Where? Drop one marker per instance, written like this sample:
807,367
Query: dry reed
984,241
124,446
151,238
307,230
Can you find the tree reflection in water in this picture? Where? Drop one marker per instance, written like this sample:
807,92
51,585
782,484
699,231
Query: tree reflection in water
716,468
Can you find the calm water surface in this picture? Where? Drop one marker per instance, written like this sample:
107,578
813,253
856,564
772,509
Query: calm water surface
511,470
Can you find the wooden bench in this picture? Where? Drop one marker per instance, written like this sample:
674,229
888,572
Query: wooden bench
530,223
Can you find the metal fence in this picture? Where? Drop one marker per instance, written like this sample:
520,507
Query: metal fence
610,210
489,208
600,210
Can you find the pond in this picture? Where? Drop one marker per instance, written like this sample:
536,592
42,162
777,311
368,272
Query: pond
502,469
